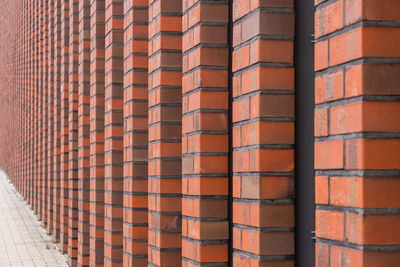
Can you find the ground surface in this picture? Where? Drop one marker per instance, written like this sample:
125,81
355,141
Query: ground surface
23,241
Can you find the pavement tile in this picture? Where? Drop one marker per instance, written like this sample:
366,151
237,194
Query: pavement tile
23,241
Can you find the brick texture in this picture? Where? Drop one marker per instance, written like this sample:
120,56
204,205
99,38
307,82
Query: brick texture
135,98
83,133
97,37
64,113
50,43
73,106
356,149
164,138
113,129
162,132
56,32
205,226
263,133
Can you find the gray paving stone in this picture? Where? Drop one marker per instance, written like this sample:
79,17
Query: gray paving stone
23,241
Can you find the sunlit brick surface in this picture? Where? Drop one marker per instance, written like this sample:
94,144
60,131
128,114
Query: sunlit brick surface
162,132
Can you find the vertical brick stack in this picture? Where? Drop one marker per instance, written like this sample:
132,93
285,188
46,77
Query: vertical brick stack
161,132
73,132
83,132
97,31
263,132
164,138
135,133
113,128
357,128
205,133
36,106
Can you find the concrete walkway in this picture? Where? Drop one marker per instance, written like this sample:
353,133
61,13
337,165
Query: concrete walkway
23,241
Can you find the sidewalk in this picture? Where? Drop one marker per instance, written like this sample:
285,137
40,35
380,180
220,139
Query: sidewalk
23,241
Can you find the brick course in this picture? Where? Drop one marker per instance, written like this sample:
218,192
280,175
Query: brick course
162,132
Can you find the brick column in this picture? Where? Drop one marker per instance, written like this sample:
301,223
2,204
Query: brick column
50,113
57,120
135,132
113,127
35,149
44,117
73,132
64,125
41,114
357,126
83,133
165,120
205,136
17,109
97,29
263,133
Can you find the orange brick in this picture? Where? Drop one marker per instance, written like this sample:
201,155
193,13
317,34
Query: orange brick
271,3
329,154
321,122
271,51
321,55
346,191
257,187
373,154
329,224
347,46
380,42
329,19
377,229
321,190
267,79
372,79
354,11
272,105
322,258
355,257
272,160
267,133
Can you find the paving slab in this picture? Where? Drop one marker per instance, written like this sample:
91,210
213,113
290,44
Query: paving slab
23,240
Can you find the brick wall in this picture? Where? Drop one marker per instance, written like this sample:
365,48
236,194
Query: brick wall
357,148
162,132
